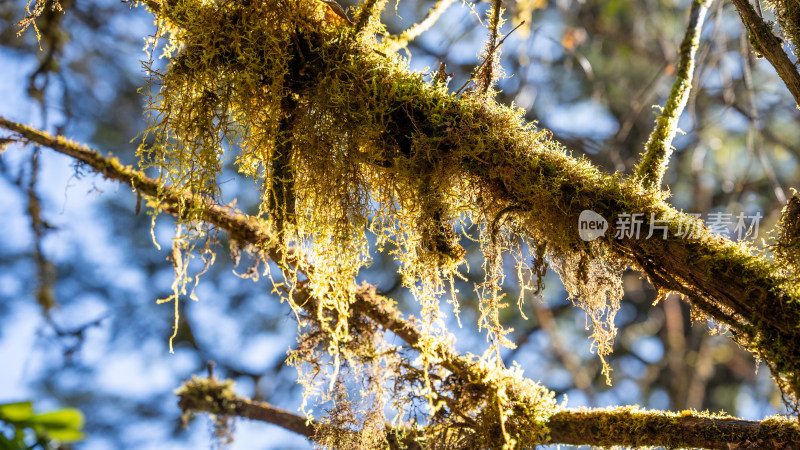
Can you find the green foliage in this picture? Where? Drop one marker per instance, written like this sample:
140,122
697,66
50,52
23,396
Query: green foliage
30,430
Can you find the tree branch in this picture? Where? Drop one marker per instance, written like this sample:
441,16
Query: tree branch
767,44
511,163
596,427
633,427
505,161
215,397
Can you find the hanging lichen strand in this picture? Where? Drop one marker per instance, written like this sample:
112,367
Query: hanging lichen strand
341,151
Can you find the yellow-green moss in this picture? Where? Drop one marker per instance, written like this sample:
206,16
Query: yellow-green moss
213,396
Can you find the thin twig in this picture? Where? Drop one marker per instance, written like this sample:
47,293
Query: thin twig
486,78
485,59
394,43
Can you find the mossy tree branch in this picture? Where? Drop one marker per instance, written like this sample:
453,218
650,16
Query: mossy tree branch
217,397
630,427
512,164
659,146
596,427
365,114
768,45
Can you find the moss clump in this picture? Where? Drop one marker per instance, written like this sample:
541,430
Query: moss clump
214,396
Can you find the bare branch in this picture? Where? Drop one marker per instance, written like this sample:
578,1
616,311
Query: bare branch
754,131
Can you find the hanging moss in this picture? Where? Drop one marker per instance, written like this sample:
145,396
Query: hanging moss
346,142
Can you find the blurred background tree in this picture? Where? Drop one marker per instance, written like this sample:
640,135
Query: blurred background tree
588,70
